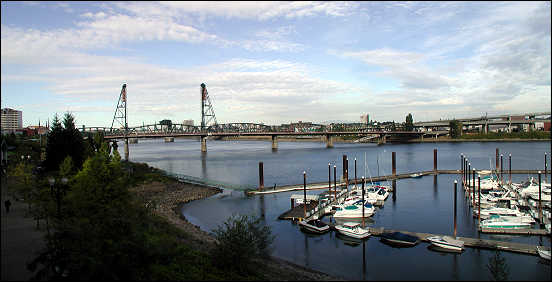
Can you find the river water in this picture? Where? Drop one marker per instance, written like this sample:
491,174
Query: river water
420,204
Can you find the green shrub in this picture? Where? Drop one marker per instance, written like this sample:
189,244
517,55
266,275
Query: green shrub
241,239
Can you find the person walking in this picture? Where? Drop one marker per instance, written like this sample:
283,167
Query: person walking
7,204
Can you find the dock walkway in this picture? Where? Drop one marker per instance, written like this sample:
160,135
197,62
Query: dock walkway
324,185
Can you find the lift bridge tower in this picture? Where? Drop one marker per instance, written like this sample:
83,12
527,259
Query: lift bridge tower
121,117
207,112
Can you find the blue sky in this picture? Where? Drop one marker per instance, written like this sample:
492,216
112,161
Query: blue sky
275,62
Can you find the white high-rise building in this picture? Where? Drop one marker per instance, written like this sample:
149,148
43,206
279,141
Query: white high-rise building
365,119
12,120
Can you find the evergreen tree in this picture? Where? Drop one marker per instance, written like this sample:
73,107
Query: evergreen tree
409,126
64,141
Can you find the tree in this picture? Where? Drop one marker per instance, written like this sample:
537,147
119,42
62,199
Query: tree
62,142
455,129
240,240
409,126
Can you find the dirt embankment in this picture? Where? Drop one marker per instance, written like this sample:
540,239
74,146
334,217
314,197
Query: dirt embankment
169,197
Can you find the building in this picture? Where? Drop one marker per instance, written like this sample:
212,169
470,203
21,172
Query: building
12,120
188,122
365,119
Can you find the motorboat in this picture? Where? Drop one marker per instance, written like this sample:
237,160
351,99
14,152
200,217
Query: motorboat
416,175
543,253
486,213
314,226
504,223
377,192
400,239
354,210
353,229
446,242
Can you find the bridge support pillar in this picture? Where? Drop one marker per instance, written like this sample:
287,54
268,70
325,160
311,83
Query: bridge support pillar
203,140
274,142
329,141
383,139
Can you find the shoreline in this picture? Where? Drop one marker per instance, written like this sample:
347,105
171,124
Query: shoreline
172,196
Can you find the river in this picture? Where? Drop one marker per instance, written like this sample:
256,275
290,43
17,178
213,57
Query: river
420,204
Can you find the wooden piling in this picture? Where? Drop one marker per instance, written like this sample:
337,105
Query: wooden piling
335,182
363,181
329,179
305,194
496,158
473,188
501,171
540,200
479,201
469,176
393,164
454,208
344,167
545,168
435,160
261,176
510,168
355,174
461,164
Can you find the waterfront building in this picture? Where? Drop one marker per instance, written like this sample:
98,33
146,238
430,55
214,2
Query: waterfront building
188,122
12,120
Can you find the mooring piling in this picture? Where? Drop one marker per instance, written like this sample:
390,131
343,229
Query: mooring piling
435,161
261,176
305,193
510,168
393,164
455,182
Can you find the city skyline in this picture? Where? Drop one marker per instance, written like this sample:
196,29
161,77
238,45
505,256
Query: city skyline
273,62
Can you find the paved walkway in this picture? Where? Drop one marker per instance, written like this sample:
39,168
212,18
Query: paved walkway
20,240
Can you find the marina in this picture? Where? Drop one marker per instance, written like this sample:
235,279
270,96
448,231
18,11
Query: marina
413,201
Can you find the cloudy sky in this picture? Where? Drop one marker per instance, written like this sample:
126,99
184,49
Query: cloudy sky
275,62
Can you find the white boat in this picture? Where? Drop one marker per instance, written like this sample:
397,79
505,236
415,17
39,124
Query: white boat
352,229
354,210
504,223
486,213
314,226
543,253
416,175
446,242
377,192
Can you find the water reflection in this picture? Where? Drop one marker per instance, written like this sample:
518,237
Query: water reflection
435,187
204,165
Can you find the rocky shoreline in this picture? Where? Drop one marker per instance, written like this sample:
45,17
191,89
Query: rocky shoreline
167,200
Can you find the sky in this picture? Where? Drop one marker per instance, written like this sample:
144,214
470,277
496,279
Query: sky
275,62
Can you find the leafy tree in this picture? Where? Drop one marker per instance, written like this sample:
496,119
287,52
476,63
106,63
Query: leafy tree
66,167
455,129
409,126
241,240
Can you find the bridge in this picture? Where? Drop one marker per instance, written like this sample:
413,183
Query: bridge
210,128
485,121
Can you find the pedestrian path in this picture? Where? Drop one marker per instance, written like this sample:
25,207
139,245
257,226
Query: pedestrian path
20,240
